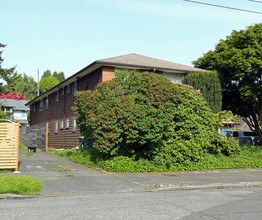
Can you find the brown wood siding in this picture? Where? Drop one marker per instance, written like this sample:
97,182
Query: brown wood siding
64,138
61,110
90,81
55,140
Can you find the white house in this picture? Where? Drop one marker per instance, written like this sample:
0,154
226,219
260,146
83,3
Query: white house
17,110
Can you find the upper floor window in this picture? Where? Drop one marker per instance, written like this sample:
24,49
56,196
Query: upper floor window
41,106
8,109
33,107
57,96
46,103
62,92
67,89
74,90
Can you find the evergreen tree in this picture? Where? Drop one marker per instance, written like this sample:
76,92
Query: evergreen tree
209,84
5,74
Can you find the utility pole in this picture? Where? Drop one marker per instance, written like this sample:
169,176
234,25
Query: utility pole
38,89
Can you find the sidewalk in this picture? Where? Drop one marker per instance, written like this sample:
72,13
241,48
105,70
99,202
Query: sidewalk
63,177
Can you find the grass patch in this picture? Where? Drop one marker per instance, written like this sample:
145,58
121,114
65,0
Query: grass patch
249,157
7,171
69,175
24,185
30,153
22,147
84,157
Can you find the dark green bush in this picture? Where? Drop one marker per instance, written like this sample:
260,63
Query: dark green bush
209,84
146,116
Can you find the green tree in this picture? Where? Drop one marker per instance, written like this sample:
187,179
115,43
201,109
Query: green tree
46,74
209,84
4,73
48,83
60,76
238,60
3,115
13,80
27,86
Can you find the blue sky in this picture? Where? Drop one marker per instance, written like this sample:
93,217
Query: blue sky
67,35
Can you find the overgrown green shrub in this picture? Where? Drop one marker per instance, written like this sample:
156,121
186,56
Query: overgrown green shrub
146,116
128,117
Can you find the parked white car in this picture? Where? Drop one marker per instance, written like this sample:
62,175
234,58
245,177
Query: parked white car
245,137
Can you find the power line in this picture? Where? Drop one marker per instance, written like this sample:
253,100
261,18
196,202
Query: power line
221,6
255,1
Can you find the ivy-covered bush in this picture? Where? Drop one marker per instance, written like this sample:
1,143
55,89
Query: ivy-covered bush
144,115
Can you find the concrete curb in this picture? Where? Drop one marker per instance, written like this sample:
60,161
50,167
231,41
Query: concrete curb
161,188
211,186
14,196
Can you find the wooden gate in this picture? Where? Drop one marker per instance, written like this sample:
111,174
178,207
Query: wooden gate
9,145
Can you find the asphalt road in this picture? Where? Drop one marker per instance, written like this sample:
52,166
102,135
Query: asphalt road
190,204
72,191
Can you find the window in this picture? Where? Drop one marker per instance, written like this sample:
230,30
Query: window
67,123
74,90
73,124
46,103
67,89
8,109
41,106
62,92
33,107
61,125
235,134
57,97
249,134
56,127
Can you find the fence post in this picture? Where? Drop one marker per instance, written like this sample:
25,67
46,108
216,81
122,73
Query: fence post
46,138
18,135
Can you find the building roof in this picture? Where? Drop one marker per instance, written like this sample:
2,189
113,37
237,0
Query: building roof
15,104
139,61
128,61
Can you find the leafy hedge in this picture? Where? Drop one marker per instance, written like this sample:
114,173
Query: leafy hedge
209,84
146,116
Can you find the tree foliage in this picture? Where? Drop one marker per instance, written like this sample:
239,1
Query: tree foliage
58,75
27,86
3,115
49,80
238,60
209,84
48,83
4,73
136,114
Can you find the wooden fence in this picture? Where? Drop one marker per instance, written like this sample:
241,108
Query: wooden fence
9,145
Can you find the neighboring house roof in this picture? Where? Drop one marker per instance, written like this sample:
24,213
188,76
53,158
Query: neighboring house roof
15,104
129,61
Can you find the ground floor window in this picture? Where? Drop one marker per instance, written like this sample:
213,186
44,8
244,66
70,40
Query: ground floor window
73,124
67,123
56,127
